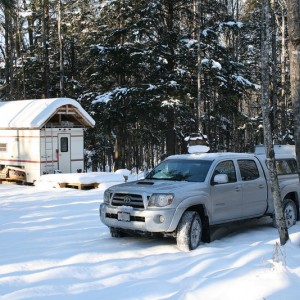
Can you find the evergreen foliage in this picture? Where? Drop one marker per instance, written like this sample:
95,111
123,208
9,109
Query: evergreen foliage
133,65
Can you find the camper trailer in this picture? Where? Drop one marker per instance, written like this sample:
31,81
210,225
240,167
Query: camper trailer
41,137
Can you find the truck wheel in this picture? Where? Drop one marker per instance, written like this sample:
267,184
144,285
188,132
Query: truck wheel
189,231
290,213
117,233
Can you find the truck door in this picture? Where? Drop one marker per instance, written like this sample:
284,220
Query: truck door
64,152
254,188
226,197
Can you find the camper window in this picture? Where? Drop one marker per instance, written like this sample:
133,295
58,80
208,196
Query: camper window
3,147
64,144
286,166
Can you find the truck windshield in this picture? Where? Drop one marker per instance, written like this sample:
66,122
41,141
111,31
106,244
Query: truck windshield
181,170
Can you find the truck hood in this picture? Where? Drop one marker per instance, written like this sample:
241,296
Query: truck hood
152,186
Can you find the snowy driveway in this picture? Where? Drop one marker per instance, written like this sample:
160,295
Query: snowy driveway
53,246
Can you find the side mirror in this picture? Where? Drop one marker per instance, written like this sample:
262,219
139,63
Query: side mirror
220,178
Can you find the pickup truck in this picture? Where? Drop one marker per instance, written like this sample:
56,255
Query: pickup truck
185,195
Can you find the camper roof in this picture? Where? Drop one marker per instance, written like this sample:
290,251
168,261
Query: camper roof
35,113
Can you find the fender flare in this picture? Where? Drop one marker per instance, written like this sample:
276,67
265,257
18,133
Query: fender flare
187,204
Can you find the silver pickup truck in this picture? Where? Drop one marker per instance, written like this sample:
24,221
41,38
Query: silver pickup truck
187,194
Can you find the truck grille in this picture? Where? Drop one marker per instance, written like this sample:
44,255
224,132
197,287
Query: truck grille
133,200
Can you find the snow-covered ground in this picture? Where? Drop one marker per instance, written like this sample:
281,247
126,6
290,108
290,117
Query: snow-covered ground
53,246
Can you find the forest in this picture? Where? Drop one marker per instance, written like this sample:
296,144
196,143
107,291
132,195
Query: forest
152,73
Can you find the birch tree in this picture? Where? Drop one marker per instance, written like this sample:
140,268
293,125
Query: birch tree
293,9
283,80
270,154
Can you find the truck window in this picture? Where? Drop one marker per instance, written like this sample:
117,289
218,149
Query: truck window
286,166
226,167
181,170
248,169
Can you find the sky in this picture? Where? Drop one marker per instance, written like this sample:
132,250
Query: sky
54,246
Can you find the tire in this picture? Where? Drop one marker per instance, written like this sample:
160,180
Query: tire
117,233
290,213
189,231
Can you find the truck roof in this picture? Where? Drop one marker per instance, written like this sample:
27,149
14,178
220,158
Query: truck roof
211,156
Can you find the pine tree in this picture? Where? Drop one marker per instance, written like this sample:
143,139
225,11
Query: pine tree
140,62
225,77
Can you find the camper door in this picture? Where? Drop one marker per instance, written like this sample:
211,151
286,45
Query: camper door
64,154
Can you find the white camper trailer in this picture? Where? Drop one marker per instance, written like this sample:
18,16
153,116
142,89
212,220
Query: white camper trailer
42,137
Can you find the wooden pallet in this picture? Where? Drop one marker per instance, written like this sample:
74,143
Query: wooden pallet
79,186
12,181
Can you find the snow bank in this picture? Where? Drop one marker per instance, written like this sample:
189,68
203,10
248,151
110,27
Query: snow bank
53,180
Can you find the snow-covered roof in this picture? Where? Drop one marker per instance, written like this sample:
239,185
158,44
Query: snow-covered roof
198,149
211,156
35,113
279,149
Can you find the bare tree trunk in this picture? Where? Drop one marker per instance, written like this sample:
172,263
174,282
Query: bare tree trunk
274,122
293,8
283,96
73,57
199,100
61,53
270,154
21,83
46,63
119,154
170,135
9,54
30,21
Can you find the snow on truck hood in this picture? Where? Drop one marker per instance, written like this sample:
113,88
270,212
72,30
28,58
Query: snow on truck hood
151,186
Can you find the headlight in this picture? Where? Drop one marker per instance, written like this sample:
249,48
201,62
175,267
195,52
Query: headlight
160,200
106,197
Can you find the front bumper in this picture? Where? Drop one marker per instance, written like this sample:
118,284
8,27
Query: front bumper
151,220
